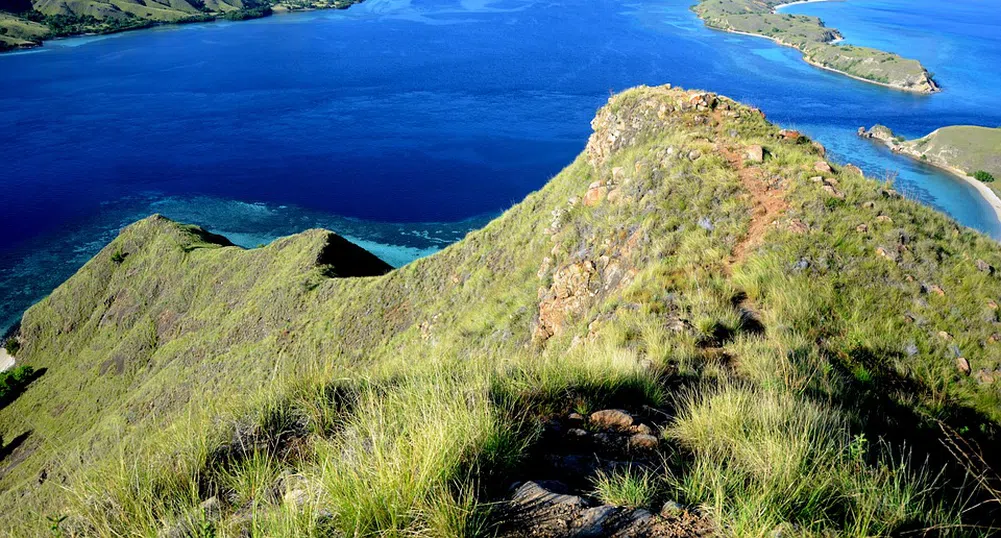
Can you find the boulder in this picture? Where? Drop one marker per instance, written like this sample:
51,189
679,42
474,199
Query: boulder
755,153
545,492
852,169
642,442
612,419
829,189
822,166
963,365
984,267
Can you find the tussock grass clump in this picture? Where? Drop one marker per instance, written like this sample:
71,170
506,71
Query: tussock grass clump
627,487
765,458
404,461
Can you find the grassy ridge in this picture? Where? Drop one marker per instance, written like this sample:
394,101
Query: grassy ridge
816,42
804,335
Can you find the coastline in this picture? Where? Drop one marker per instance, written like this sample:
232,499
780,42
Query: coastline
774,10
149,24
806,59
985,192
780,6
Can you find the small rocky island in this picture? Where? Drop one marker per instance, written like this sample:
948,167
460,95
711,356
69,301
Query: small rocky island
817,42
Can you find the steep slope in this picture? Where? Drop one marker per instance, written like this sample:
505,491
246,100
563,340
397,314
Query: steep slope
795,347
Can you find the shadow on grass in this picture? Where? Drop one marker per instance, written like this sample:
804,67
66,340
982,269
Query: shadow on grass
880,399
9,448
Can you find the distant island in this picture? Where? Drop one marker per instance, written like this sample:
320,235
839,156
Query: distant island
27,23
817,42
970,152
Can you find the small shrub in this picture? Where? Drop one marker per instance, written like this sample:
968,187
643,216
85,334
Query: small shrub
118,256
12,346
983,175
13,381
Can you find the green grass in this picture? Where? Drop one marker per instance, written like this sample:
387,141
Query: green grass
187,370
626,487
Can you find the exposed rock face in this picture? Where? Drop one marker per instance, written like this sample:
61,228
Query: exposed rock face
538,509
572,291
878,132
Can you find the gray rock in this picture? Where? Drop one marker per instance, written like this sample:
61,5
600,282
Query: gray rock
541,493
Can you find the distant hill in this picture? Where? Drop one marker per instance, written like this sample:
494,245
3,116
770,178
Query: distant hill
967,147
26,23
699,327
817,42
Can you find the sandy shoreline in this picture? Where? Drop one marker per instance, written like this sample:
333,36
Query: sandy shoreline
6,361
811,62
780,6
986,192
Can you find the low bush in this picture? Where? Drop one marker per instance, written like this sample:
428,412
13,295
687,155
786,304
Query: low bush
983,175
14,380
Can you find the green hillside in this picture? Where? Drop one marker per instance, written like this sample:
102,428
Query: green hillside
25,23
699,327
816,42
967,147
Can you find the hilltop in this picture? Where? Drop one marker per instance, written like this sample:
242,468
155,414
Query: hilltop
699,327
817,43
26,23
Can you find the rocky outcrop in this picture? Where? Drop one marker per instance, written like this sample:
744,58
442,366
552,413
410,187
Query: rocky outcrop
541,509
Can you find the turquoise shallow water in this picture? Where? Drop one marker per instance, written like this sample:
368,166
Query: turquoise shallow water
404,124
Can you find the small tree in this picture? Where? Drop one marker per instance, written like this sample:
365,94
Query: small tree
984,176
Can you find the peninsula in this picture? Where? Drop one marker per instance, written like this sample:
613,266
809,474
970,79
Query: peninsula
971,153
27,23
817,42
700,327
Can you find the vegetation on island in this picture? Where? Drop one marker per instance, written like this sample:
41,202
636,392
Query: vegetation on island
27,23
983,175
816,42
699,327
13,381
965,149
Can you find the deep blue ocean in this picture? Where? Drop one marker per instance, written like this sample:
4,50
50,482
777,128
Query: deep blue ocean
404,124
